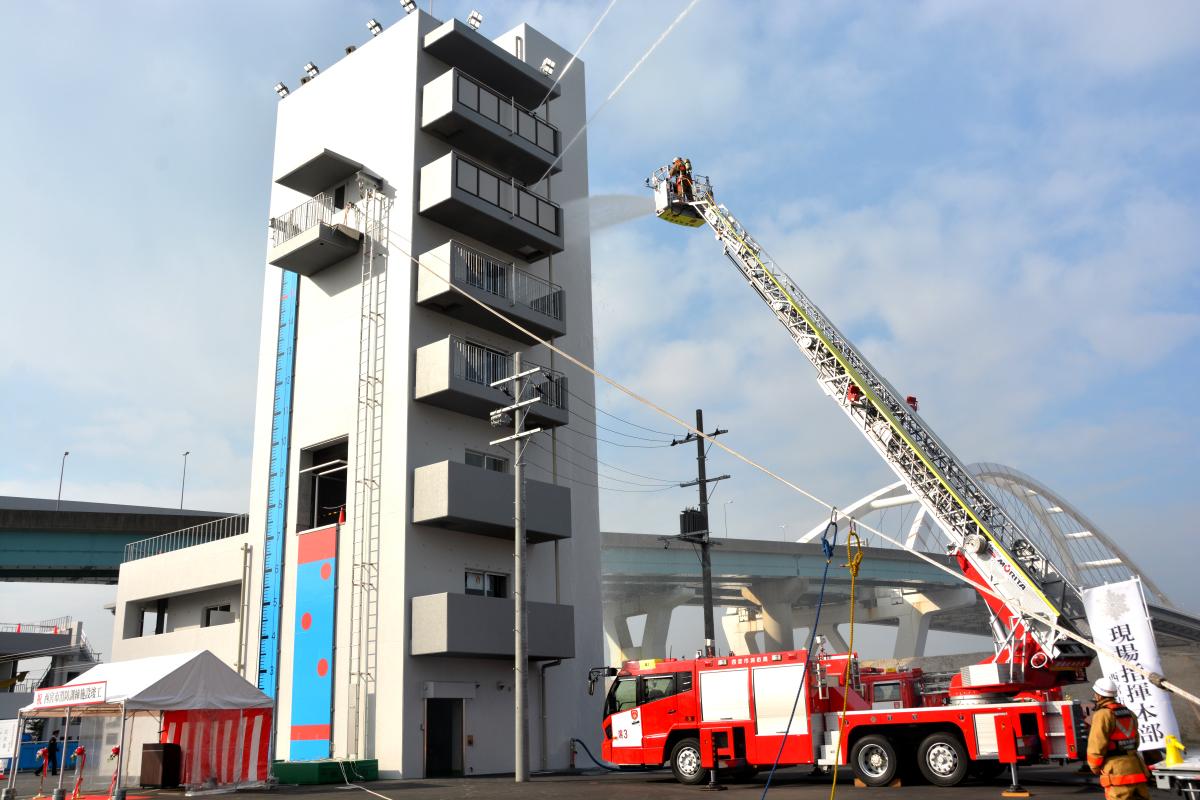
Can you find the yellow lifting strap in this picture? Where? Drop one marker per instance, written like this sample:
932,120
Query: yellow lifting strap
854,557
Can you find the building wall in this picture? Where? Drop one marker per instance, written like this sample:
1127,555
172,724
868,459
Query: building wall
190,580
366,107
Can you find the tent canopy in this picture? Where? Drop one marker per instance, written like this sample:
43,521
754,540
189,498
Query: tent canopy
182,682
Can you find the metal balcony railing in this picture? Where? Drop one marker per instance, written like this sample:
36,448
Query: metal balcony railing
203,533
304,216
505,280
493,105
482,365
494,188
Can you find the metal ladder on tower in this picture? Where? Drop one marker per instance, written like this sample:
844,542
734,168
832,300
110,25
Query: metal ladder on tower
375,210
991,541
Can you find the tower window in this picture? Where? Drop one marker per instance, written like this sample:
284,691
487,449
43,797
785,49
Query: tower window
322,489
486,461
487,584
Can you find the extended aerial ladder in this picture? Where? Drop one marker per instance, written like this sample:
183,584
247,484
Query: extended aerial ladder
1026,589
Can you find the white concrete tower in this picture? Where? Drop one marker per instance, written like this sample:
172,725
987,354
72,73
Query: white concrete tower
395,628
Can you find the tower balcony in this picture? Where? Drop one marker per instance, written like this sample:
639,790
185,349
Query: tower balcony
470,626
459,46
310,237
457,375
494,128
533,303
476,500
465,195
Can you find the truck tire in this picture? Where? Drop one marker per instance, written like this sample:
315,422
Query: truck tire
943,759
685,762
874,760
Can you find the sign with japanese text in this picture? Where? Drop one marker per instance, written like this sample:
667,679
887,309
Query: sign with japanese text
1120,622
76,694
627,729
8,738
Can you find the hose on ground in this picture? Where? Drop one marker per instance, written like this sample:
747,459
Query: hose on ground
596,761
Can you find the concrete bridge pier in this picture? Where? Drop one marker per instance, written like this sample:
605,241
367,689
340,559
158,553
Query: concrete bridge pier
658,607
774,597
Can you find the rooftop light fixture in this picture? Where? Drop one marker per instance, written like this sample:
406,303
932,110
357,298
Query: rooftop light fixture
374,27
409,6
548,65
281,89
474,19
312,69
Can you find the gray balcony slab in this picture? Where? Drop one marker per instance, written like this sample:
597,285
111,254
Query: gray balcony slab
460,497
322,171
438,384
443,199
456,44
446,110
434,276
472,626
311,251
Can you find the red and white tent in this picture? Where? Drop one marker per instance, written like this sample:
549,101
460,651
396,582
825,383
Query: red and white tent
221,721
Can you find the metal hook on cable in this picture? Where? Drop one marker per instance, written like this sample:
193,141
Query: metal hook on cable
829,535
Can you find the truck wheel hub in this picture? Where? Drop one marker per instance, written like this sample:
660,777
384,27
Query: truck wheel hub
942,759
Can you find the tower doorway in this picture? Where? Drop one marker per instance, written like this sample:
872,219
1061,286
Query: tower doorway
443,737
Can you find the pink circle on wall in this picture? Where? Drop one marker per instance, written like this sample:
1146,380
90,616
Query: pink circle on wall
322,667
326,571
305,621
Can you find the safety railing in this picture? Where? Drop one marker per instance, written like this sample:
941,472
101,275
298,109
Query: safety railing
301,218
504,193
483,365
47,626
505,280
203,533
488,103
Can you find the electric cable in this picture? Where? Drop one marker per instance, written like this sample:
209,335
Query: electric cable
564,459
618,469
585,401
1155,678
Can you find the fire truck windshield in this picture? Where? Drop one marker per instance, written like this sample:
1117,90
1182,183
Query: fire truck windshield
621,696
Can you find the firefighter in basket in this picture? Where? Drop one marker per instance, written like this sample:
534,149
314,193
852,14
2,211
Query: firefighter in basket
681,178
1112,751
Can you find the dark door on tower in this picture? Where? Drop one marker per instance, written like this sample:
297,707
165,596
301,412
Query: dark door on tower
443,737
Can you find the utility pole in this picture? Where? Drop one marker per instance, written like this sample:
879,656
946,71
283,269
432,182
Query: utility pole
517,412
698,533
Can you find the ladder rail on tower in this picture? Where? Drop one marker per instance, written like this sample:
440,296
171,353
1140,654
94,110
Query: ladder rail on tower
375,214
989,544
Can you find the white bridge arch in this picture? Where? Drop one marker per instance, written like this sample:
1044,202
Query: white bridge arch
1076,545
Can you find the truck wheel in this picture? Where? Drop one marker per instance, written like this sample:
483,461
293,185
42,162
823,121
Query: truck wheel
685,762
874,760
943,759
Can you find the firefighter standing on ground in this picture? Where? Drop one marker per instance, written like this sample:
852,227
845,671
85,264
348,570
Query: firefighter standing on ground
1112,751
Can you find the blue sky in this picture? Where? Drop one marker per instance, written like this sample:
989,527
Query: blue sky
998,203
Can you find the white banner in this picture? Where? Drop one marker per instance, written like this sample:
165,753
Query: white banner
8,738
1120,622
79,694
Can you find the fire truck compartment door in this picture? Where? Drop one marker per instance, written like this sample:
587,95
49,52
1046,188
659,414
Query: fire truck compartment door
775,691
724,695
627,728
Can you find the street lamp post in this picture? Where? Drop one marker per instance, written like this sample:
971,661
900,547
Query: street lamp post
61,469
183,480
725,508
783,528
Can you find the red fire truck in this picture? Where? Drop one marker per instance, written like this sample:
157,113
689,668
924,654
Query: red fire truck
733,712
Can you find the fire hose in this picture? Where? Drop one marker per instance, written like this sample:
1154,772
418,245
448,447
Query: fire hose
827,546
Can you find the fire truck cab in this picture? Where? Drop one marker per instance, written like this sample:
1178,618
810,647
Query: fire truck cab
733,713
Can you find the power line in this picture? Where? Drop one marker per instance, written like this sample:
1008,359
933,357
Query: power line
613,466
659,484
587,402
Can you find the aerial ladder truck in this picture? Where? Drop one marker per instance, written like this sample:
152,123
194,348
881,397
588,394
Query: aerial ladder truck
727,712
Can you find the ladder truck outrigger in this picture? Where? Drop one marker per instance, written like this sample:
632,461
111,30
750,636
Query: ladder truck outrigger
733,712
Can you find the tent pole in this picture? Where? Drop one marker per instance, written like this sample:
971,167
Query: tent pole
120,790
10,791
58,793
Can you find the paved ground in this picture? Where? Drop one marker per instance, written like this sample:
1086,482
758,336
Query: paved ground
1043,782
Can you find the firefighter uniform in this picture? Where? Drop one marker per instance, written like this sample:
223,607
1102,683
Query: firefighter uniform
1112,752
